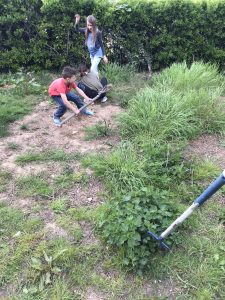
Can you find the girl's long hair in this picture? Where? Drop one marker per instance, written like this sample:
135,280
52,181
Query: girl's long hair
91,19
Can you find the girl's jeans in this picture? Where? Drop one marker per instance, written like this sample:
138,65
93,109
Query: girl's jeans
62,107
94,64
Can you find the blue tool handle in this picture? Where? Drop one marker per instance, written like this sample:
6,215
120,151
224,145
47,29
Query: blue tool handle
215,186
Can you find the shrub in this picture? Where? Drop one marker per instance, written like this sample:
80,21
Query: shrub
125,221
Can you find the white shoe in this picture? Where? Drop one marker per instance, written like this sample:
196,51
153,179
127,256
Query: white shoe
104,99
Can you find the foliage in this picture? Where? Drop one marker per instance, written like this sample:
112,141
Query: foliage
101,129
125,222
121,170
5,177
46,156
45,269
137,32
34,186
19,93
183,102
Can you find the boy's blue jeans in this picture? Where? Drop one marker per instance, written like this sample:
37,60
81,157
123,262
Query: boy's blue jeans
62,107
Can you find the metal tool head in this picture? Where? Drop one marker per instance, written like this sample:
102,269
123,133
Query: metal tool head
160,240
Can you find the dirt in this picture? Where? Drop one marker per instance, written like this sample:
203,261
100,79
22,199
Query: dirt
35,133
41,134
208,147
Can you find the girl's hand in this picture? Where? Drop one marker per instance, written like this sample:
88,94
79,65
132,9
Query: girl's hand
105,59
77,18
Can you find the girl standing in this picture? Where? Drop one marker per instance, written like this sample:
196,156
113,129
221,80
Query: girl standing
93,40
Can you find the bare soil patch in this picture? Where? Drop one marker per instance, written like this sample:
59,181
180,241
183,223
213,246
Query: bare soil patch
211,147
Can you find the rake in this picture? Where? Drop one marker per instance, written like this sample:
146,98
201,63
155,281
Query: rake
211,190
104,90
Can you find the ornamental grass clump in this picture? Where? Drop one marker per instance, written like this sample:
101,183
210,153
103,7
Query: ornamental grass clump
181,78
182,103
122,170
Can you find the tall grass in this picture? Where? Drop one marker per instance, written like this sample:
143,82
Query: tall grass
182,79
181,103
122,170
116,73
126,82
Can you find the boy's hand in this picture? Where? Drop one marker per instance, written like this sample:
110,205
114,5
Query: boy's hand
86,100
77,18
76,111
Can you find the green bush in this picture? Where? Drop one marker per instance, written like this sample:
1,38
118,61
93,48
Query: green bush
40,34
125,222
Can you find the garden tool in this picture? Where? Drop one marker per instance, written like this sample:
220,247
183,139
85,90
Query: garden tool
105,89
212,189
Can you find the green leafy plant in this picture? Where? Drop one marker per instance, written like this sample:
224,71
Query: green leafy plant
31,186
46,268
125,221
48,155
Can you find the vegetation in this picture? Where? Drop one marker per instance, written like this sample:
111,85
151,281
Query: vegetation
135,32
59,247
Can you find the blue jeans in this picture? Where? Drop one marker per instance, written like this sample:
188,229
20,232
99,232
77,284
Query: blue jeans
94,64
62,107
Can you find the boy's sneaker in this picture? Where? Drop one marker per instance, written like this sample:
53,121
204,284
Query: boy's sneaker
88,113
56,121
104,99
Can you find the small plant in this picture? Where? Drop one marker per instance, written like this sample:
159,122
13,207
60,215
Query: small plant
125,221
46,268
24,127
32,186
59,206
116,73
101,129
66,180
121,170
220,258
13,146
5,176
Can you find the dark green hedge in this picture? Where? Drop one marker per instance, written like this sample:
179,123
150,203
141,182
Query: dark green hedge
40,34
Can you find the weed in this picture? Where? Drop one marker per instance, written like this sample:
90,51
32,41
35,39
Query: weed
66,180
13,146
45,269
59,205
24,127
45,156
122,171
117,74
32,186
101,129
72,227
18,100
5,178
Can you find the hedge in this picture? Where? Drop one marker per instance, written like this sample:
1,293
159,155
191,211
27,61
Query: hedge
40,34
